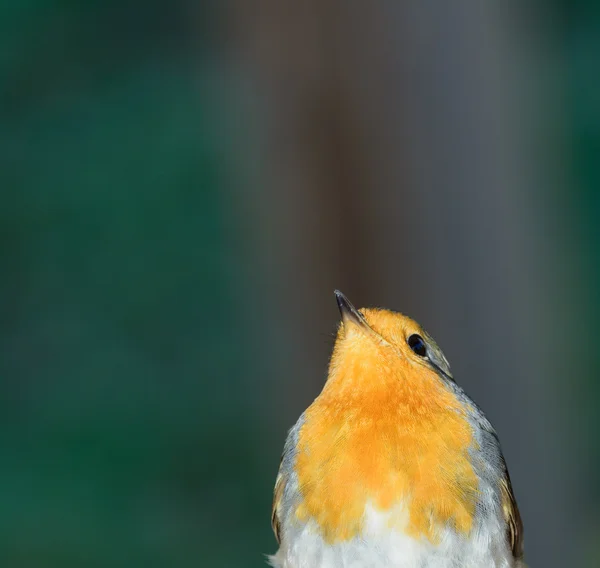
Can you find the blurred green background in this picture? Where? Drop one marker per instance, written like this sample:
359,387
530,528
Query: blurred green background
183,184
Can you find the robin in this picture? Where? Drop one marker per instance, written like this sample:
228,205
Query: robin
393,465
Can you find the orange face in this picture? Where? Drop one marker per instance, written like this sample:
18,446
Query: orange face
388,432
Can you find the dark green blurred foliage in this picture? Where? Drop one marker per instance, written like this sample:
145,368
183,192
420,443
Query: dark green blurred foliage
124,439
579,31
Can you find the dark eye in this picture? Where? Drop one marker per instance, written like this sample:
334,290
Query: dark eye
416,343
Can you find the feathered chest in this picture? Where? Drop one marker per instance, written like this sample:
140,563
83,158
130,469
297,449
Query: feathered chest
394,454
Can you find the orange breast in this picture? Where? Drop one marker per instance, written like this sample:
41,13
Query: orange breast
396,436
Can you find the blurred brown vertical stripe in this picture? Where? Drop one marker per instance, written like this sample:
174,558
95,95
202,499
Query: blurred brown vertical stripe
321,84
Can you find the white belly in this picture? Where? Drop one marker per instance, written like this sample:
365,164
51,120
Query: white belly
381,547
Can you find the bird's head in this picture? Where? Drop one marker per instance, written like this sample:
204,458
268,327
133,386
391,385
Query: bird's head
374,347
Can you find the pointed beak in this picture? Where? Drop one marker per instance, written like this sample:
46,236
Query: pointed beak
348,312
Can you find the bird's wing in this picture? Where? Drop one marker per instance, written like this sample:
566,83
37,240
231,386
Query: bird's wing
277,497
512,517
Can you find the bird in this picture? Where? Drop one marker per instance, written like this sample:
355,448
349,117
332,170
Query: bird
393,465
